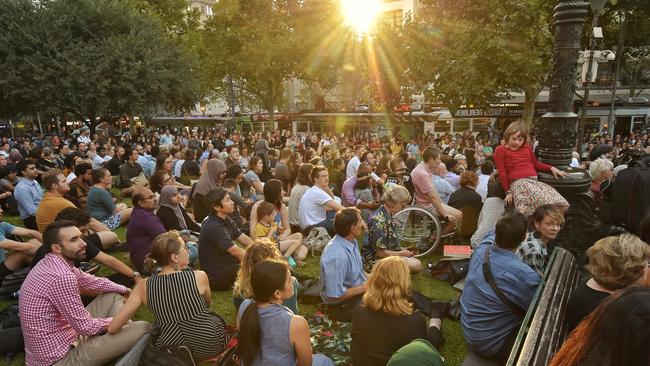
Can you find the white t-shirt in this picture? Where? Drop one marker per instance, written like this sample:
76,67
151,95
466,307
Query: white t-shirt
312,207
98,162
70,177
353,166
482,187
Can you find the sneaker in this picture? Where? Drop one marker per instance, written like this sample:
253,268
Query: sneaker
438,309
89,267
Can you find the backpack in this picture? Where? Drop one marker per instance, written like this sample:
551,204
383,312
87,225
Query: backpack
11,335
631,196
12,283
317,240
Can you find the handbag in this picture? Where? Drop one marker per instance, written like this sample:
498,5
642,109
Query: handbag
450,271
140,180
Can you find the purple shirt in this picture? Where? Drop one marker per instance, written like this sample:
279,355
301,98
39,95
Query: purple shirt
347,191
144,227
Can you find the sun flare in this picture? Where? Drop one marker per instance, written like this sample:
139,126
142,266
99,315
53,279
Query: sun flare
361,14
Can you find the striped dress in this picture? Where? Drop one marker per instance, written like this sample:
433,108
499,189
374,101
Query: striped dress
183,317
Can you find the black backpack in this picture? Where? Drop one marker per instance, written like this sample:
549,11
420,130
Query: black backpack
631,199
11,335
12,283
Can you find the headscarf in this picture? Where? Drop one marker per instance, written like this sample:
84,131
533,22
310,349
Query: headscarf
209,180
166,195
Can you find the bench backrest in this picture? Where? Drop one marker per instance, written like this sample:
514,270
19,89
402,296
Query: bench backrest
544,330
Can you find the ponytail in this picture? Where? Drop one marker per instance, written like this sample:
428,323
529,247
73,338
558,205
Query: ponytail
249,334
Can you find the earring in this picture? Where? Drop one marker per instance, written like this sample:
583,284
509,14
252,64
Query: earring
537,235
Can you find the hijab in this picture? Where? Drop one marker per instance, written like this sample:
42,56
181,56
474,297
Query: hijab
210,180
166,195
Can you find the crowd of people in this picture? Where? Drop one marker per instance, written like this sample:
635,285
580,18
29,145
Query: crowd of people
244,205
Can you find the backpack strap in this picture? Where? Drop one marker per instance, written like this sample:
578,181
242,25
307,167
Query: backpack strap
489,278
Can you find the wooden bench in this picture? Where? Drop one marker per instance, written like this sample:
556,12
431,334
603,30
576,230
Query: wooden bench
544,329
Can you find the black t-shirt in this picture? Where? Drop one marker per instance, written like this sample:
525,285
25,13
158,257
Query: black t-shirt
216,238
377,335
93,243
583,302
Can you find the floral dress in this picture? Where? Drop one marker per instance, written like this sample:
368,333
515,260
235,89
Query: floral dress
381,235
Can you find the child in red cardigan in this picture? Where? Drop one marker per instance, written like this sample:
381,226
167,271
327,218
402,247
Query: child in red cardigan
518,168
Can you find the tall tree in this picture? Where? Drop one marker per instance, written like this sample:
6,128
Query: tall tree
93,58
478,51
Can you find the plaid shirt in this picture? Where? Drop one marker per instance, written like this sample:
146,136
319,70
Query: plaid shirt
533,252
52,315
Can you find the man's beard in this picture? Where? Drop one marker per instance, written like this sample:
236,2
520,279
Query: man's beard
72,255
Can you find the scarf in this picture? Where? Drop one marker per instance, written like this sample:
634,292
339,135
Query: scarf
209,180
166,195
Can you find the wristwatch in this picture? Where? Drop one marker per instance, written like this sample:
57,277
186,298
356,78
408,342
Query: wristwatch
136,274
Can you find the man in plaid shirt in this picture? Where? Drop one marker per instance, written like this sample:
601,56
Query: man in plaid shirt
56,326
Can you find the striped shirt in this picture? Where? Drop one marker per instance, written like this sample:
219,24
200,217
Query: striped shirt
52,315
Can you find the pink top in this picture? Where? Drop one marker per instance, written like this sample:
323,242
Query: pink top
52,315
516,164
422,179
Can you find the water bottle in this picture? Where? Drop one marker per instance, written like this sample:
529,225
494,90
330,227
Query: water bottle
15,294
429,266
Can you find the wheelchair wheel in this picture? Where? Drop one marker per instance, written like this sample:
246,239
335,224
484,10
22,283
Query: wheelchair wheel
418,229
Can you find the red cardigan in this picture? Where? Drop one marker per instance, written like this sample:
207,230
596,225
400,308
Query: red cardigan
516,164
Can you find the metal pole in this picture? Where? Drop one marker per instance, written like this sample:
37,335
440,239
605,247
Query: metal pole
40,125
585,98
231,91
619,55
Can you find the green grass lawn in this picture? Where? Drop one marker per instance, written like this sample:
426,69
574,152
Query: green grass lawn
453,351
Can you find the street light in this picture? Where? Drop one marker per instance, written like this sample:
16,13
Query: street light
597,7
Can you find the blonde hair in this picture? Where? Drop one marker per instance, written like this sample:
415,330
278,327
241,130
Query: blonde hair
552,211
388,287
600,166
260,250
162,249
517,126
616,262
397,195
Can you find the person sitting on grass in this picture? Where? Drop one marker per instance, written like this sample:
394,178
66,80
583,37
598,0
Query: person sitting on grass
267,228
260,250
129,171
56,326
100,201
28,193
269,333
80,185
387,320
341,268
489,324
241,206
382,239
16,254
219,256
144,228
192,324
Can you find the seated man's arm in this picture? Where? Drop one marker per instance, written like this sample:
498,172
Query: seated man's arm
64,295
333,274
333,205
437,204
525,285
237,252
115,264
20,231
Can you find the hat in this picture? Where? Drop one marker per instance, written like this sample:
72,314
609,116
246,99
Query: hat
460,157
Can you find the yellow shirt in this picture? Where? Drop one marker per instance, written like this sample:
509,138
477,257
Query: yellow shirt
262,231
49,207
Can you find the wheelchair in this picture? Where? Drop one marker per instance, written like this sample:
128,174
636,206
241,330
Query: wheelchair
419,229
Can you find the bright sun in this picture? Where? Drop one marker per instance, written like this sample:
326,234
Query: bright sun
361,14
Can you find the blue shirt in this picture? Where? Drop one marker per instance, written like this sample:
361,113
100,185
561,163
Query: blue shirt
5,229
485,320
443,188
340,268
28,193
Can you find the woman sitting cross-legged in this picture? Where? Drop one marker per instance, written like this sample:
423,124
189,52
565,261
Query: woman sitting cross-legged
260,250
386,319
172,213
100,202
269,333
179,299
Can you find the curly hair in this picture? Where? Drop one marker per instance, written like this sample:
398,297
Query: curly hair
260,250
388,287
616,262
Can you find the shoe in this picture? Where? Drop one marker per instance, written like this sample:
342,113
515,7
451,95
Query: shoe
120,247
89,267
438,309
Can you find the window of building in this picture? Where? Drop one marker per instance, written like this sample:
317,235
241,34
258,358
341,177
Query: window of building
461,125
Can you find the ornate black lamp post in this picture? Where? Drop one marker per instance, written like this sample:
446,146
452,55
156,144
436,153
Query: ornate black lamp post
558,132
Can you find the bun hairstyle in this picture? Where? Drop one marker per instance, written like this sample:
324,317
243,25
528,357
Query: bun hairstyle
162,248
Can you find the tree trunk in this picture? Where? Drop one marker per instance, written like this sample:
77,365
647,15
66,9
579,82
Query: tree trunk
530,95
131,124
